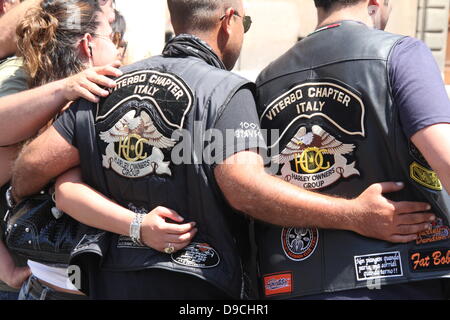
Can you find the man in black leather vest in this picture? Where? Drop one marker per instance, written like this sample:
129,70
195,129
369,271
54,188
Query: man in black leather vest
349,101
156,141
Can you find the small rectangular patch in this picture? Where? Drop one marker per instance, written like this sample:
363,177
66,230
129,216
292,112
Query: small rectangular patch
378,266
278,283
429,260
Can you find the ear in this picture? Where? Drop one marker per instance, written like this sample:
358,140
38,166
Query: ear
2,7
226,21
373,6
86,47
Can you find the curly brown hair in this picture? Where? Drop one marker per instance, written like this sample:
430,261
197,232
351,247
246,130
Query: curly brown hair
49,36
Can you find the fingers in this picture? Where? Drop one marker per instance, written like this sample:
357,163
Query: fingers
109,70
101,80
402,238
181,238
178,229
94,90
86,94
410,207
168,213
116,64
176,246
415,218
413,228
387,187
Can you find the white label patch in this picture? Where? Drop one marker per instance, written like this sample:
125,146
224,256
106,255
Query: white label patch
378,266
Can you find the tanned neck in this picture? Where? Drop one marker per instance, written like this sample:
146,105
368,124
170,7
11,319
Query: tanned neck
209,37
339,13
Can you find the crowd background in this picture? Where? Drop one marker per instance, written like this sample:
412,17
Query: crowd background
282,25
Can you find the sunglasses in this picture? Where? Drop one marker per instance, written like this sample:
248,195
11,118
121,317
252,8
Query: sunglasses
246,20
115,38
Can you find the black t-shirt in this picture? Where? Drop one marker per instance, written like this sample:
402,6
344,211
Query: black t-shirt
238,124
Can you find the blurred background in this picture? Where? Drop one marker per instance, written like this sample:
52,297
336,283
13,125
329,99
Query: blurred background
278,24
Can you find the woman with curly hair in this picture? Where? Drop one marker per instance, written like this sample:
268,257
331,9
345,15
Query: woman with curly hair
61,45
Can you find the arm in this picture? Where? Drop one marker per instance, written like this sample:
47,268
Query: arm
45,158
7,157
92,208
8,25
277,202
82,202
23,114
434,145
423,103
13,276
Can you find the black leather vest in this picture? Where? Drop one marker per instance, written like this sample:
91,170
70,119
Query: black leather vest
340,132
147,163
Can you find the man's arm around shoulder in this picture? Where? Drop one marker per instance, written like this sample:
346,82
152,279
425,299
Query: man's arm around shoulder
249,189
45,158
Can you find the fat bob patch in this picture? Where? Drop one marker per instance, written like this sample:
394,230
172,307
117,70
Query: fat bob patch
430,260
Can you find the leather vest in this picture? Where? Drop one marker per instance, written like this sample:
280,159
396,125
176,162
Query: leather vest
339,132
149,137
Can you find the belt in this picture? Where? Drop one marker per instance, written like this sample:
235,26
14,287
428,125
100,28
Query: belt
39,291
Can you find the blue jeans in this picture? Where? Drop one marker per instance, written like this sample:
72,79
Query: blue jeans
4,295
25,294
32,289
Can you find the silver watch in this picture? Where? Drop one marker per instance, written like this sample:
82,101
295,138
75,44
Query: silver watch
135,228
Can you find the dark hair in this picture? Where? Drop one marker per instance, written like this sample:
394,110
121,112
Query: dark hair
49,35
119,25
196,15
327,4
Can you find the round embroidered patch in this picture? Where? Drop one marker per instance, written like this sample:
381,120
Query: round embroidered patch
197,255
299,243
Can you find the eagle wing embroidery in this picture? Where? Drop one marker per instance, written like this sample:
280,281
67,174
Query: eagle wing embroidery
141,125
330,144
154,137
294,147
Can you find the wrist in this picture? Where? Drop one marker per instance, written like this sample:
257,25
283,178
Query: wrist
62,90
349,212
135,229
